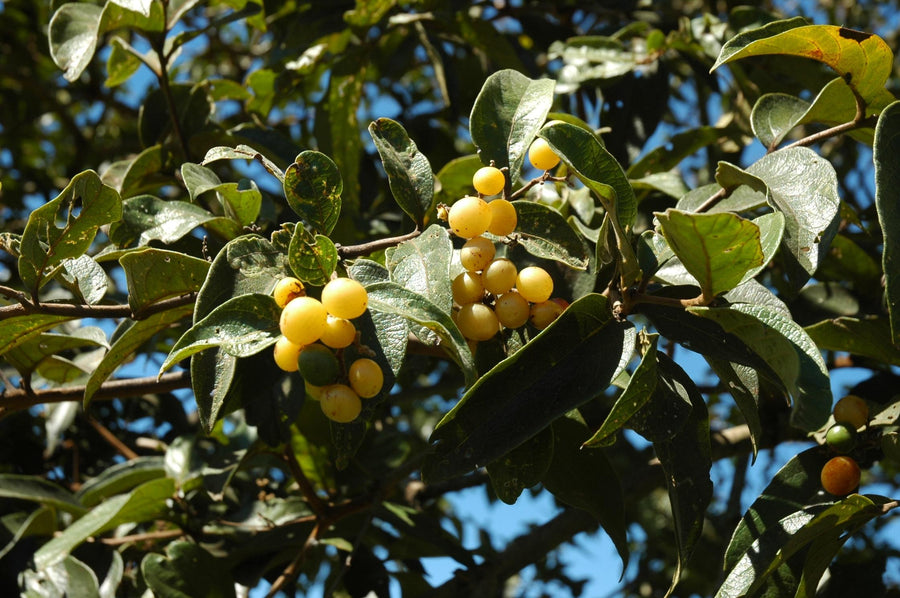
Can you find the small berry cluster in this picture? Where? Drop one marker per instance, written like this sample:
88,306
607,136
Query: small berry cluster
492,292
314,334
840,475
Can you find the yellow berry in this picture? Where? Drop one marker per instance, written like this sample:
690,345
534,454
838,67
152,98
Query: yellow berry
467,288
469,217
503,217
543,313
287,289
512,309
535,284
339,333
286,354
541,156
477,253
477,321
303,320
345,298
340,403
852,411
366,377
499,276
489,180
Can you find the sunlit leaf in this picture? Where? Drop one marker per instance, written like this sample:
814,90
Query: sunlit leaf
312,186
408,170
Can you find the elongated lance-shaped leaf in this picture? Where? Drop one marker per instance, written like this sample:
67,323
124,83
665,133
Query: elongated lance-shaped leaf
508,112
864,60
313,186
66,226
242,326
391,298
26,487
602,174
887,202
14,332
570,362
717,249
408,170
870,337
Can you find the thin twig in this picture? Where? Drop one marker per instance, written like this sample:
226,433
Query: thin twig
293,569
109,437
354,251
318,506
163,534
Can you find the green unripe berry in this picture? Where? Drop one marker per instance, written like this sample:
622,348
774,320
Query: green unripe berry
339,403
489,180
841,438
477,321
503,217
345,298
366,377
303,320
535,284
512,309
477,253
469,217
499,276
541,155
467,288
286,354
287,289
318,365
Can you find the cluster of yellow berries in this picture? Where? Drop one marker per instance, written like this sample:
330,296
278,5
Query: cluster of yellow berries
313,335
492,292
840,475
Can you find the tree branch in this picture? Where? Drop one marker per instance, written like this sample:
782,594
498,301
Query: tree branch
17,399
77,310
353,251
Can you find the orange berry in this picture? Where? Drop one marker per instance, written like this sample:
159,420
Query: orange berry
840,476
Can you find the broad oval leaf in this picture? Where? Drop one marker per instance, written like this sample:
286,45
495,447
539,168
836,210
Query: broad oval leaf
312,258
506,115
242,152
887,202
156,274
312,187
408,170
146,218
522,467
120,478
14,332
73,37
186,570
422,265
543,232
717,249
774,115
242,326
572,361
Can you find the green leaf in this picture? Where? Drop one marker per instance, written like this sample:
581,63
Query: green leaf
754,293
156,274
543,232
638,393
312,258
313,186
29,355
121,63
887,202
198,179
186,570
570,362
717,249
686,460
422,265
522,467
585,478
869,337
391,330
262,82
120,478
88,277
862,59
242,326
742,383
506,115
146,218
40,522
73,37
802,186
17,331
144,503
774,115
131,336
788,350
677,148
596,59
391,298
242,152
29,487
66,226
142,173
455,178
409,172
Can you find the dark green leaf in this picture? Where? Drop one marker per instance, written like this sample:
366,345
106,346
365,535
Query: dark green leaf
522,467
742,383
27,487
409,172
870,337
40,522
584,478
58,230
717,249
568,363
544,233
144,503
120,478
680,146
887,201
312,258
774,115
29,355
19,330
146,218
156,274
422,265
242,326
187,570
455,178
506,115
313,186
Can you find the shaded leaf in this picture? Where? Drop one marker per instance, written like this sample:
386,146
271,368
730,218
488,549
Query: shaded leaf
186,570
544,233
242,152
27,487
869,337
774,115
17,331
522,467
120,478
887,202
408,170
